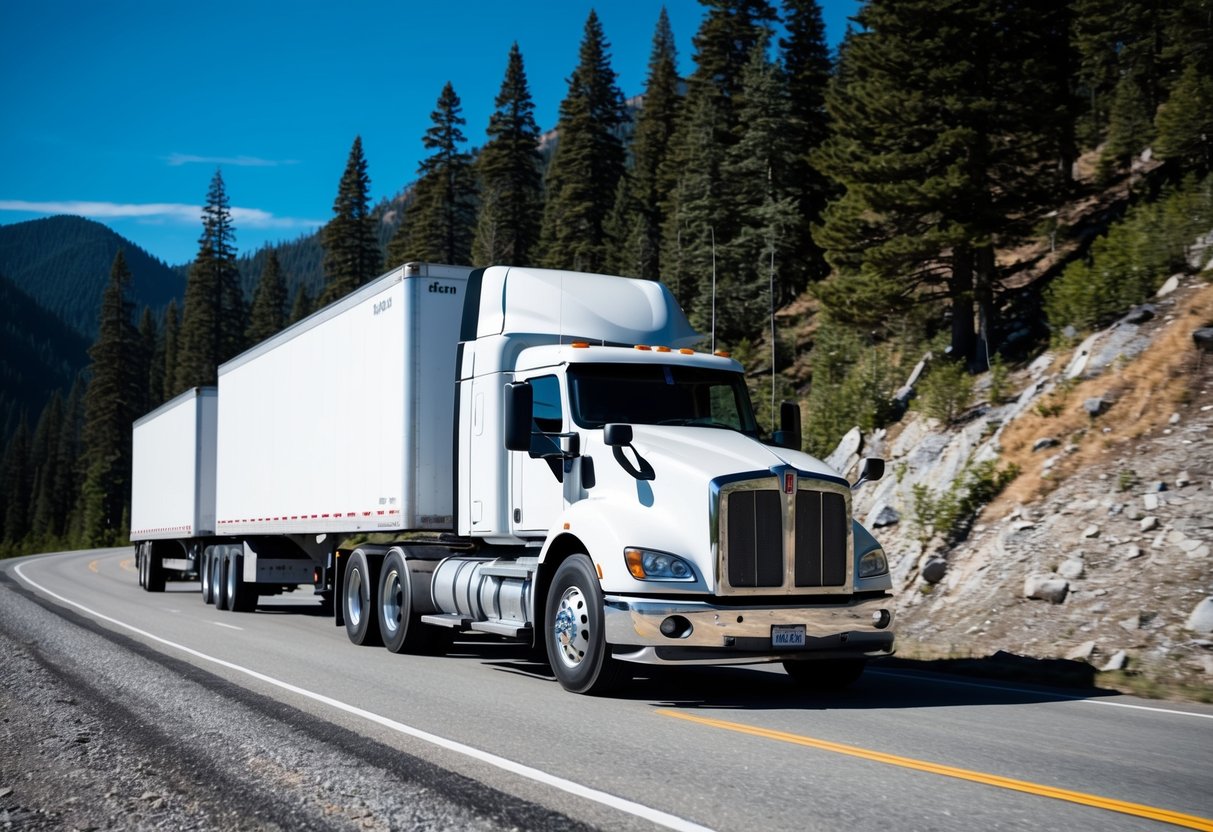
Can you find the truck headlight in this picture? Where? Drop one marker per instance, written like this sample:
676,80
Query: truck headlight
873,563
646,565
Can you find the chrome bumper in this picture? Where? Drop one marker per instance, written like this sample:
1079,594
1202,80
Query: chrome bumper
742,635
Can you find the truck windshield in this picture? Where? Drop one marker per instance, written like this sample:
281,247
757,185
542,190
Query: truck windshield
659,394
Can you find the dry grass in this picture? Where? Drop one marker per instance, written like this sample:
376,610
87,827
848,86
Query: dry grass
1146,391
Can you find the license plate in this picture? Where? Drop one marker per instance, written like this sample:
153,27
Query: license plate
787,635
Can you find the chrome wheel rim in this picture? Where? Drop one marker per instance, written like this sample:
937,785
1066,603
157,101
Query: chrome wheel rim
353,597
571,629
393,602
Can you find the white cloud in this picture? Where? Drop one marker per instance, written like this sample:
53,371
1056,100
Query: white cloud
178,159
156,212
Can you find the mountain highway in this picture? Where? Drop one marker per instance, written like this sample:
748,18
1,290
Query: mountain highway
275,720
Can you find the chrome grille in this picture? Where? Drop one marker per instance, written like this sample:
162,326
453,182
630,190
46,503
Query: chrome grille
771,542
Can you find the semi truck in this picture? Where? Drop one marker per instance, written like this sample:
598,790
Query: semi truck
540,455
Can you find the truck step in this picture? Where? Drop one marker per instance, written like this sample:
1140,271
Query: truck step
502,628
457,622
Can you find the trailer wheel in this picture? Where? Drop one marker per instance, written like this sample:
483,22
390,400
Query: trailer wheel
241,596
575,630
140,565
401,628
205,577
358,599
825,674
219,577
151,573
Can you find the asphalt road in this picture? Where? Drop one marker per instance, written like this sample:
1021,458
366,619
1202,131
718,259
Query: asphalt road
279,700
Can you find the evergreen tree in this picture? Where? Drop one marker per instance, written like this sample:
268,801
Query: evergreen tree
1130,126
153,374
758,183
45,456
511,179
638,215
1185,123
17,482
587,163
301,307
806,62
65,494
440,221
169,340
351,245
212,326
268,313
943,138
110,407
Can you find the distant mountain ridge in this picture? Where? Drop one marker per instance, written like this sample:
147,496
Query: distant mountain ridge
63,264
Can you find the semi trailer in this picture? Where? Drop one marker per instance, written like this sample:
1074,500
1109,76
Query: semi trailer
540,455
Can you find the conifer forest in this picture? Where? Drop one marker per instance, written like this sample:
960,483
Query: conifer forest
975,178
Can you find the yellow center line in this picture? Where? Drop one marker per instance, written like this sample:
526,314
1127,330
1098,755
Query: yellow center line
128,564
92,566
1135,809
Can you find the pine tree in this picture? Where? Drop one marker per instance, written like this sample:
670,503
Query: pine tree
268,313
168,345
153,375
1130,126
351,245
440,221
587,163
1114,40
65,494
16,485
756,175
806,61
1185,123
45,459
301,306
943,130
212,326
638,216
110,407
511,178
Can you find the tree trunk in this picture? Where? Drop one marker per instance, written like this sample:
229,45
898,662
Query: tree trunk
960,292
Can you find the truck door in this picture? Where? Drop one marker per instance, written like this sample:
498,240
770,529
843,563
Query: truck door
536,480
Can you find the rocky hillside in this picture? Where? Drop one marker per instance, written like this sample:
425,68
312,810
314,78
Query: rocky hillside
1099,549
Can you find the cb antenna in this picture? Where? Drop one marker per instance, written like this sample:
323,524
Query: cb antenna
713,231
772,292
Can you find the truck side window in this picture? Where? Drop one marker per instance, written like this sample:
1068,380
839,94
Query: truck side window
548,414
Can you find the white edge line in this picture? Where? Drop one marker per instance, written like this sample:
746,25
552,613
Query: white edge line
637,809
1048,693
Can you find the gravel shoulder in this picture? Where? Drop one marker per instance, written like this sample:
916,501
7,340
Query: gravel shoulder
102,732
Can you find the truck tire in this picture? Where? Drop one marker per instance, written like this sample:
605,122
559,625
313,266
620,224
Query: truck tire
151,573
575,633
141,565
218,577
400,627
358,599
205,576
825,674
241,596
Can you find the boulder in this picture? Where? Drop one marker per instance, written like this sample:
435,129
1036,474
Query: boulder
884,515
847,453
1045,442
1204,338
1149,524
1046,588
1183,480
1082,653
1096,406
1090,531
1171,284
1119,660
1201,619
1141,314
934,570
1071,568
1150,501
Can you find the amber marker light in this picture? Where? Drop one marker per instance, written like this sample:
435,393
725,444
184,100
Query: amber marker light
580,345
685,351
722,354
662,349
635,561
643,347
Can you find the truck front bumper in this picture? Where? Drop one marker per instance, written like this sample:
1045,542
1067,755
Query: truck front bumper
698,632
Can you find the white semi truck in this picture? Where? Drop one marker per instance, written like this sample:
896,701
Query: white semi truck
549,459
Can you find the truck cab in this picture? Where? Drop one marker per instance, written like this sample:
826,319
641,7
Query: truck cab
625,471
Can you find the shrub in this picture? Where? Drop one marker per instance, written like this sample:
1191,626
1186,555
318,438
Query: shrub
945,391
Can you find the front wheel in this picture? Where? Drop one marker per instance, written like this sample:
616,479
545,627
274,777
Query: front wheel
575,627
825,674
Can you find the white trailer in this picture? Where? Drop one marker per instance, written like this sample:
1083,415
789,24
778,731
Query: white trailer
549,459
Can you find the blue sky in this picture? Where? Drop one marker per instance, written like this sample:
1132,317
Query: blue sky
121,110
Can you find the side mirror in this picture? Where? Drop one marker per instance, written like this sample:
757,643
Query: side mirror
870,470
519,408
617,436
788,435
